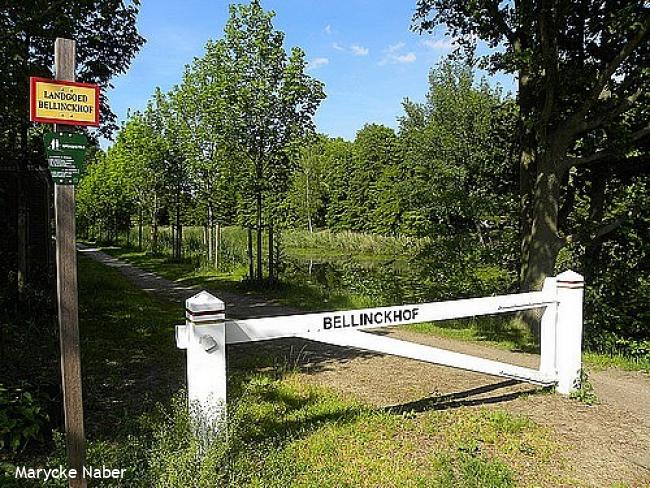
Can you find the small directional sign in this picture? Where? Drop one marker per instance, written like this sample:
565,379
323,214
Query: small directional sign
66,153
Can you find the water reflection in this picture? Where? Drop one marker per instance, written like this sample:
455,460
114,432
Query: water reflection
385,281
400,280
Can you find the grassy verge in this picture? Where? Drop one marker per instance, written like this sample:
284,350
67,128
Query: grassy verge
282,431
305,297
507,334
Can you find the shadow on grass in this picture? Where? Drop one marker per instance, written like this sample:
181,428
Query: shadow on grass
467,398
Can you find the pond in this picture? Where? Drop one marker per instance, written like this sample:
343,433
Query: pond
378,281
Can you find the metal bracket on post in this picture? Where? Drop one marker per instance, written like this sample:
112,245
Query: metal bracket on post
570,291
204,337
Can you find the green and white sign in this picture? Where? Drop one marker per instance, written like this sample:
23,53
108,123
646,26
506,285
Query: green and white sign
66,154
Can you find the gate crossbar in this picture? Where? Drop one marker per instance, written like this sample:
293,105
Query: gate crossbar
263,329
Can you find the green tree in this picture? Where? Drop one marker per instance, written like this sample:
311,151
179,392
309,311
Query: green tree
458,169
167,128
338,157
582,77
105,198
203,139
107,40
308,189
376,151
142,150
272,102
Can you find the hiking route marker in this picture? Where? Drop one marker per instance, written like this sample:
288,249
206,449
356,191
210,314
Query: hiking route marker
66,154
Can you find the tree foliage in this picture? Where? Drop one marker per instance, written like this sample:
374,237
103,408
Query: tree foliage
582,96
226,137
107,40
467,168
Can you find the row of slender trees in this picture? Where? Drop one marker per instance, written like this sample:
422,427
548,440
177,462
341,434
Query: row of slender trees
448,169
223,139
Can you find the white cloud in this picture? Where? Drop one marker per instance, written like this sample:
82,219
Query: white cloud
392,54
317,63
406,58
337,46
443,44
328,29
359,50
393,48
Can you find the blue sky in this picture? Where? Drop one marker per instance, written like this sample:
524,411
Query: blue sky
363,50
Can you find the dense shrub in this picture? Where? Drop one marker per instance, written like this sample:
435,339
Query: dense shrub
22,419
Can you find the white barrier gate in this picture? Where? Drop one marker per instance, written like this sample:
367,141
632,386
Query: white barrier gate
207,332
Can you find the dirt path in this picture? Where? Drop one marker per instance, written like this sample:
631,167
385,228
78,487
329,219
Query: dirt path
237,306
607,443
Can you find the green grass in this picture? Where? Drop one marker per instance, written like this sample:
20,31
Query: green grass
130,359
499,331
357,243
302,296
507,334
282,430
599,360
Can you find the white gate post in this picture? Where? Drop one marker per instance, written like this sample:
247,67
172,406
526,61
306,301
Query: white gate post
204,337
570,289
548,330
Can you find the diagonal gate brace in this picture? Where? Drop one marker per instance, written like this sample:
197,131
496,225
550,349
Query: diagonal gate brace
420,352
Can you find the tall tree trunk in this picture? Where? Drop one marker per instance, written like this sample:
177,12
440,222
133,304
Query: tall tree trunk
271,255
179,236
479,233
249,234
527,170
154,226
217,244
277,247
140,219
545,241
259,237
309,224
209,233
179,228
22,237
596,214
22,223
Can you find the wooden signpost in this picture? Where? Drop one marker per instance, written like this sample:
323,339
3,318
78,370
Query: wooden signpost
66,264
66,103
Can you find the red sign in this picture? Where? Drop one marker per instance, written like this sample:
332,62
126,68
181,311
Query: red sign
63,102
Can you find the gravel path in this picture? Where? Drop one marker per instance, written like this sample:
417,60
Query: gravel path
607,443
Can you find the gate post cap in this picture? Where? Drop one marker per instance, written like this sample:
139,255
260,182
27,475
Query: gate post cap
570,278
204,302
